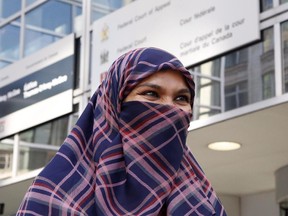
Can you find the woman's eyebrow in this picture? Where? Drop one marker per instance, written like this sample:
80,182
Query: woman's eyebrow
154,86
158,87
184,91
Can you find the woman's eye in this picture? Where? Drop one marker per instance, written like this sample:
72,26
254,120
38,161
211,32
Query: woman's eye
150,94
183,98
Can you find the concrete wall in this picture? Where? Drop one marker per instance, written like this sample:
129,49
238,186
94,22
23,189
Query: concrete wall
12,195
231,204
262,204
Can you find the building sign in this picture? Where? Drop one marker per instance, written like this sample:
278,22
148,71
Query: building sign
38,88
192,30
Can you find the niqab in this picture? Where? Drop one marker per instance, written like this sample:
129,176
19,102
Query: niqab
126,158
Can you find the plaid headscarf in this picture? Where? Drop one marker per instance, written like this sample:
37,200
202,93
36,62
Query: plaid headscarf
126,158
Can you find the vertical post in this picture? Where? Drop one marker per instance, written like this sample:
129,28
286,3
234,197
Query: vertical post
15,155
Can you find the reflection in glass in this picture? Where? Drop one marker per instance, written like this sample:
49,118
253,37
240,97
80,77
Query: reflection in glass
284,38
46,24
249,73
208,94
208,91
9,42
51,133
4,63
101,8
6,157
205,112
39,144
28,2
35,40
33,158
211,68
266,5
236,95
9,7
54,16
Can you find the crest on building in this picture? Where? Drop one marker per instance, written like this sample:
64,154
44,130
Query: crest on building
105,32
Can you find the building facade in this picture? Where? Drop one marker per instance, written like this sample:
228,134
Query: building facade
245,80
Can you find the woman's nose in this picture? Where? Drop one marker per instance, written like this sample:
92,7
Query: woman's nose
168,101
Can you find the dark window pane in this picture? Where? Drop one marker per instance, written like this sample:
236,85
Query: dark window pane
266,5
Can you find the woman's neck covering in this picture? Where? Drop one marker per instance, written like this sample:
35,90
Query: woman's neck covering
125,158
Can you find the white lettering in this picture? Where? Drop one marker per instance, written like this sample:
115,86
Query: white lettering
3,98
30,85
14,93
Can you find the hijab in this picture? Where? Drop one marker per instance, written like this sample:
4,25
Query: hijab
126,158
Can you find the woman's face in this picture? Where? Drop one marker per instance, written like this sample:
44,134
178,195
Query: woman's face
163,87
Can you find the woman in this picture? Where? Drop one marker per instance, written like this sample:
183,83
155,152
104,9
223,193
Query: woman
126,154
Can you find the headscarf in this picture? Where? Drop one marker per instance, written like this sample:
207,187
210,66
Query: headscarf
126,158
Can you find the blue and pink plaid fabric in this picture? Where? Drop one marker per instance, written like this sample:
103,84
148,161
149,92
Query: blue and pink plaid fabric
125,158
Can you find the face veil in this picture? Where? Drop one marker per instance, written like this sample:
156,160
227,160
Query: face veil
126,158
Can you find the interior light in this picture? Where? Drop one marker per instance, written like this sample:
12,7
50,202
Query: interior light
224,146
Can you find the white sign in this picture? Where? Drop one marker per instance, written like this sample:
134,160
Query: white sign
192,30
38,88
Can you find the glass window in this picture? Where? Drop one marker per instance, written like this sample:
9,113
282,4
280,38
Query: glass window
235,58
211,68
3,63
268,40
205,112
101,8
51,133
28,2
268,85
46,24
78,19
39,144
208,91
6,157
283,1
249,73
208,96
236,95
9,42
33,158
266,5
77,62
35,40
284,39
9,7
